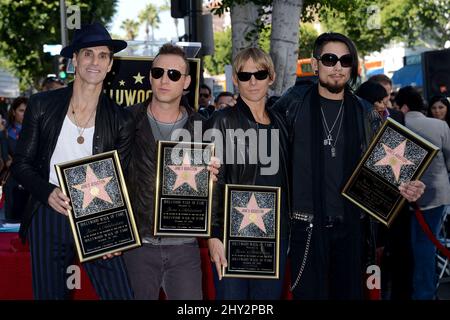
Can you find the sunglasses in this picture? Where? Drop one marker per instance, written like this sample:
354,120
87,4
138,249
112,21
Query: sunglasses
330,60
204,95
259,75
173,74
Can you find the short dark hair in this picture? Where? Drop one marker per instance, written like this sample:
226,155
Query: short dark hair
411,97
204,86
381,78
223,94
371,91
325,38
169,48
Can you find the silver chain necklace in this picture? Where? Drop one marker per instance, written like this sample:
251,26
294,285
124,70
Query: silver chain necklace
157,125
329,140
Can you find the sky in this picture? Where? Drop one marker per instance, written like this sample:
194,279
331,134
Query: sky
127,9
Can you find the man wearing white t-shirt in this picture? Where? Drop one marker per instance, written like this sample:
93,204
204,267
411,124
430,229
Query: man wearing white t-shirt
64,125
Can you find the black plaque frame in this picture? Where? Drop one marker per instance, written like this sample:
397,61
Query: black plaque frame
261,264
374,193
103,230
170,217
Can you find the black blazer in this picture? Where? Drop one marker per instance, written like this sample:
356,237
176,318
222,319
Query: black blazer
43,120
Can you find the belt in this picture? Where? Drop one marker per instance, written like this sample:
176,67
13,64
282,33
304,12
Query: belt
329,221
302,216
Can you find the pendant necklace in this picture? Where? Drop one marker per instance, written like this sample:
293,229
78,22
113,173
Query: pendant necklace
329,140
80,138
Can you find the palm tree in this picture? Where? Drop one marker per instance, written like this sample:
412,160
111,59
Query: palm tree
149,16
131,28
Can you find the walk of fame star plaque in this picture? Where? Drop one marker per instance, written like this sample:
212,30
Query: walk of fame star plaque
252,231
396,155
183,189
101,218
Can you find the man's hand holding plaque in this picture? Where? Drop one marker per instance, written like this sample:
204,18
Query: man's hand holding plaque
388,173
94,196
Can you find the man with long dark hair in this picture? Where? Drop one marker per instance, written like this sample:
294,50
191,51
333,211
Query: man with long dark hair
329,128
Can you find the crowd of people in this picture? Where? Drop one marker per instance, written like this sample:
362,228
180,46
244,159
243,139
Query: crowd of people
322,129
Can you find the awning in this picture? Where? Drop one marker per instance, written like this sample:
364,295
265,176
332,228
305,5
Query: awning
372,72
409,75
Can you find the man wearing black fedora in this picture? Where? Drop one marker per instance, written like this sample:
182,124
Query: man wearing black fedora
64,125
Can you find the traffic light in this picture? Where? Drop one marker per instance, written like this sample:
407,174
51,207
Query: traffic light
62,68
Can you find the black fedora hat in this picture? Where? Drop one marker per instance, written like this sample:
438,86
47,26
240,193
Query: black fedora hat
92,35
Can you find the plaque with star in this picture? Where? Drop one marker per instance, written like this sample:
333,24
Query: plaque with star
101,216
396,155
183,189
252,231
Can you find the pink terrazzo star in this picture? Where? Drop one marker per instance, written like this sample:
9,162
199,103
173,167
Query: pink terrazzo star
186,173
93,187
253,214
395,159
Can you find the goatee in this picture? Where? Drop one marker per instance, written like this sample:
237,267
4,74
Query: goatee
336,88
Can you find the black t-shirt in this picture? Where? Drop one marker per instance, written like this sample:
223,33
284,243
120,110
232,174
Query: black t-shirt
275,180
334,204
267,180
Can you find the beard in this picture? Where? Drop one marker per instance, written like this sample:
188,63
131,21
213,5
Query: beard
332,87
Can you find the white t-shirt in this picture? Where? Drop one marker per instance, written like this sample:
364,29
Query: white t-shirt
68,149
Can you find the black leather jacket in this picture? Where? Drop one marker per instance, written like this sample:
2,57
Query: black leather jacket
42,125
142,171
240,117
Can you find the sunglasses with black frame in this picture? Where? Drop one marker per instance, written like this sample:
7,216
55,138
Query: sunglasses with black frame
330,60
246,76
173,74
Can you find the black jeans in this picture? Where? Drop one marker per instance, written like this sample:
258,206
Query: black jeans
337,274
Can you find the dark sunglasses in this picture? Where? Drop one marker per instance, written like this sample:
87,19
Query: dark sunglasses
173,74
259,75
204,95
330,60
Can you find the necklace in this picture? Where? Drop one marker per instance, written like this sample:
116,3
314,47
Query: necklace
80,138
157,125
329,139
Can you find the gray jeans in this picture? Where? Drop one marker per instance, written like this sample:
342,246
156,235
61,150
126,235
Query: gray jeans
176,269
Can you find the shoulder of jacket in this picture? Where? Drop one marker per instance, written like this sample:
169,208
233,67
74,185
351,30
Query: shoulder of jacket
221,118
225,113
195,116
365,105
136,109
45,97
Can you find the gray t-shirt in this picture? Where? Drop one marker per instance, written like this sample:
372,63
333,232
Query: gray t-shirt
163,131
